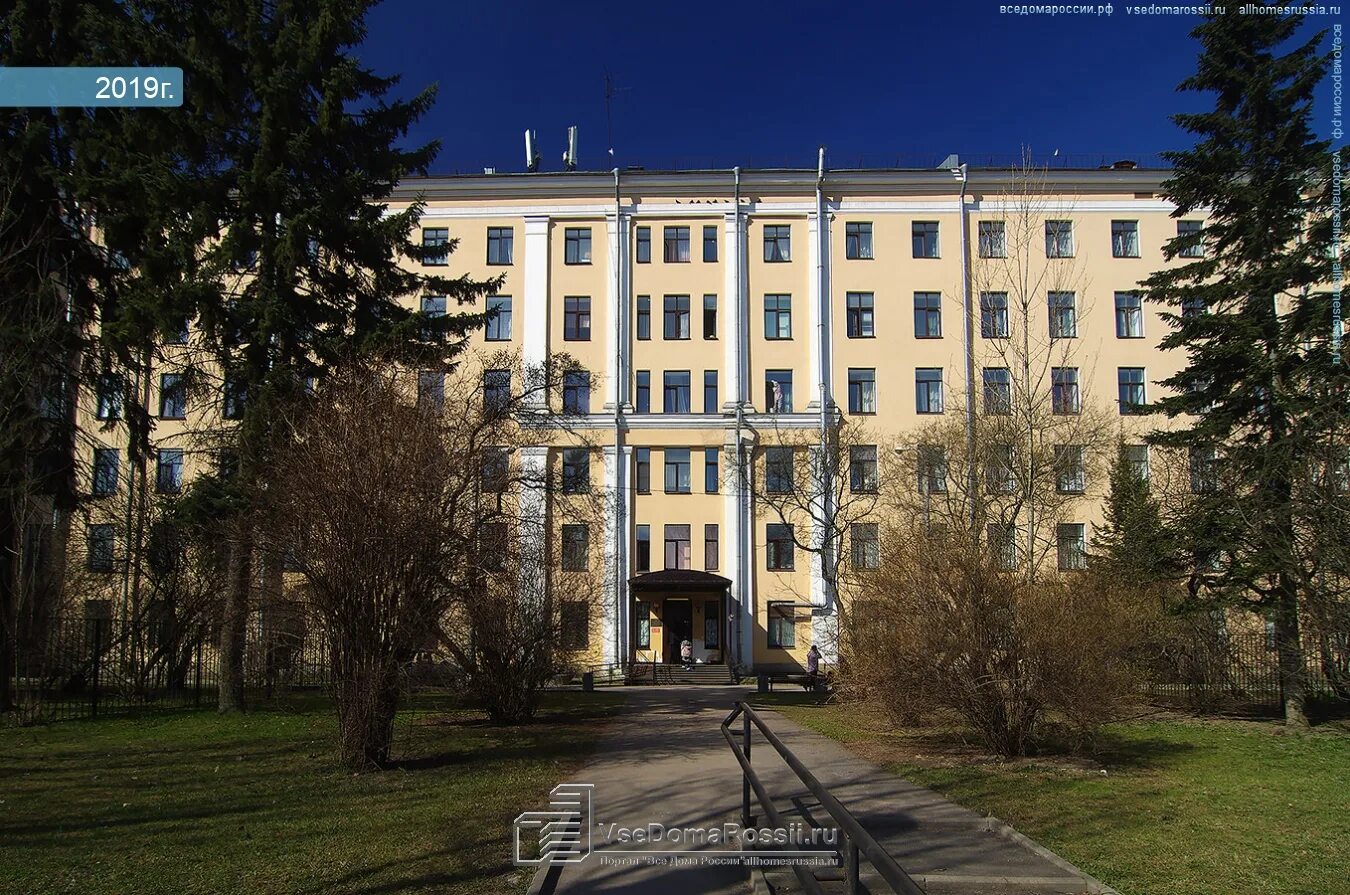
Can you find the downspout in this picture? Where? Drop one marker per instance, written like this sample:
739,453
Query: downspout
741,482
969,335
823,309
620,527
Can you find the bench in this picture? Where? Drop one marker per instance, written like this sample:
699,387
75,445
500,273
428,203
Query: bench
800,679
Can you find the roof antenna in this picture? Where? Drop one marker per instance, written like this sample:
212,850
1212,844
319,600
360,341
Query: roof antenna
610,90
531,151
570,154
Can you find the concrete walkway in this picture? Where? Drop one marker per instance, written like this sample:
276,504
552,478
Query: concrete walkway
666,762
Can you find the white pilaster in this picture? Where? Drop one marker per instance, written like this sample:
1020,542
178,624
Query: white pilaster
739,543
818,309
734,286
534,520
618,565
617,312
534,313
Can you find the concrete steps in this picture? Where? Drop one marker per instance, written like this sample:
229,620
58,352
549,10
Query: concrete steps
719,675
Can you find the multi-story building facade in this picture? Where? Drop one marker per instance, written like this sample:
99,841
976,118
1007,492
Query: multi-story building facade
712,309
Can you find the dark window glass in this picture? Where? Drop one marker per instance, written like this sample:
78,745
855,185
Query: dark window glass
499,318
1188,229
101,550
576,471
710,560
997,391
109,397
710,404
577,392
712,470
928,390
778,470
778,391
436,239
431,389
675,392
644,245
172,397
1064,390
778,316
496,390
782,622
862,469
677,470
501,245
577,245
169,470
994,315
710,243
642,458
576,545
710,316
993,239
643,560
574,624
859,315
925,237
676,241
779,551
858,240
577,318
1130,382
106,463
642,400
677,546
676,316
1059,239
928,315
862,391
644,317
1063,315
778,243
1125,239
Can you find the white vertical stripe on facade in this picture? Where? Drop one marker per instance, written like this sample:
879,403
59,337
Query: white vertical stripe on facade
616,315
534,515
735,293
617,564
534,314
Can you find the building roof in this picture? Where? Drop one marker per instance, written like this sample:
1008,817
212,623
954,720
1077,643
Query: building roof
678,580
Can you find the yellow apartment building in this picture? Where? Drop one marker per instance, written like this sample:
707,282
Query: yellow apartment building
713,309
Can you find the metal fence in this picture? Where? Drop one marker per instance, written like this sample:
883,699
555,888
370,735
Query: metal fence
1212,670
90,667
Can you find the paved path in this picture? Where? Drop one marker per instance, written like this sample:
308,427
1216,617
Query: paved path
665,761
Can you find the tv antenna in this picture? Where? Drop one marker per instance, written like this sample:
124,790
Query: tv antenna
610,91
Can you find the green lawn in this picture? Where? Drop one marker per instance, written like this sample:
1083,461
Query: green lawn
1176,807
192,802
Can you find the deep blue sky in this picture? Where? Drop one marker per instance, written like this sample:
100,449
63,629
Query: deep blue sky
764,83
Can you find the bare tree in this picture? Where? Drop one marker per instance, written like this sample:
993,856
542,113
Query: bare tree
418,528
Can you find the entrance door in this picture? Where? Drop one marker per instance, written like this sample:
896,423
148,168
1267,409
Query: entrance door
678,621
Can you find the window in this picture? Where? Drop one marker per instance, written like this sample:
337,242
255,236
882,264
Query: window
677,546
710,316
925,237
106,461
866,543
109,397
577,392
862,391
169,470
999,477
1064,390
431,389
1124,239
712,618
52,404
576,471
858,312
862,469
574,624
101,548
577,318
782,625
499,318
1071,546
1136,461
501,245
433,306
1193,307
1129,315
927,315
932,469
576,545
993,239
1003,544
677,245
676,391
677,470
644,317
234,395
994,315
1059,239
1130,382
778,470
496,469
712,470
644,245
643,397
172,396
997,391
179,334
710,243
676,316
496,390
642,460
642,615
710,560
1063,315
436,240
928,390
643,559
577,245
1204,463
1190,231
779,553
858,240
778,243
1070,471
778,391
227,464
778,316
710,391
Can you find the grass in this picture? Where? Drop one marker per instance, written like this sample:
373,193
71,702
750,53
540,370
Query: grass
1164,807
192,802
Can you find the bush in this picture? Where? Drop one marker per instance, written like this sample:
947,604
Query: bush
942,628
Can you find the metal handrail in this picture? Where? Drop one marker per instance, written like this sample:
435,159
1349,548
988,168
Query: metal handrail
857,839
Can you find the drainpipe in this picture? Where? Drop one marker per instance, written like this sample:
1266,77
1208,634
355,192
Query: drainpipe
823,297
969,335
620,527
741,482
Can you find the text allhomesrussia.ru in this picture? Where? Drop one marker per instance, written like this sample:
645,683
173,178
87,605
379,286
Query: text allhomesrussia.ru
796,834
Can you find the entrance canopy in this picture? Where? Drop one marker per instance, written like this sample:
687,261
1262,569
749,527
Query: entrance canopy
678,580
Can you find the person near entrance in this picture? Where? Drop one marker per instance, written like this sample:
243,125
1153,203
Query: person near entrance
687,653
813,668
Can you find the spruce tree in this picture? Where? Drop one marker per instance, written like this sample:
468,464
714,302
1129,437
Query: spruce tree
1261,386
1134,544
